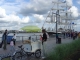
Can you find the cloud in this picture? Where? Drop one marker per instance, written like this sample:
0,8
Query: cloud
25,20
38,18
10,8
74,11
32,12
2,12
36,7
11,20
69,2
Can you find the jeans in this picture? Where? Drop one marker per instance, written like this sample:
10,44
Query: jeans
43,47
12,48
5,43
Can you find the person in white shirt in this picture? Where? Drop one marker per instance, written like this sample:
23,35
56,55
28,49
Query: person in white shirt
14,39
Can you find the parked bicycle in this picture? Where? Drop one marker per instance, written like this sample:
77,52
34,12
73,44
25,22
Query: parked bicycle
21,54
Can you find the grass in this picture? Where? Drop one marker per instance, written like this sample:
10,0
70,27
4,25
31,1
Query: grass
6,59
62,51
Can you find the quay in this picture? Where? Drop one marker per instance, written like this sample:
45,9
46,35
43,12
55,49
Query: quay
51,44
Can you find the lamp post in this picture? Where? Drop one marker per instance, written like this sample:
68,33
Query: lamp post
57,14
57,18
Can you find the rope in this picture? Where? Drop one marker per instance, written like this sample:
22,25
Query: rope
46,18
48,14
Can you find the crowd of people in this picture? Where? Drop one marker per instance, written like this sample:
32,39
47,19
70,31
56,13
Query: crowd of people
72,35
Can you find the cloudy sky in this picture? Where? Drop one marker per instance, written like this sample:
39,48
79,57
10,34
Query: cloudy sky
15,14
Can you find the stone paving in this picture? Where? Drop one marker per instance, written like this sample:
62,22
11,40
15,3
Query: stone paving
50,45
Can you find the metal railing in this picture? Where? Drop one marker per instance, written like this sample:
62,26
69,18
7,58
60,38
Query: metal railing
32,37
22,38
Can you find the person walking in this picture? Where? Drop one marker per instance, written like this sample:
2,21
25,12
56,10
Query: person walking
12,49
14,39
4,39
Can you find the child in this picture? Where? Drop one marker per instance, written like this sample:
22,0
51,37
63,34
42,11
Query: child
12,49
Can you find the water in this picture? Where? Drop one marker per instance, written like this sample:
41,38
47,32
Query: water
22,36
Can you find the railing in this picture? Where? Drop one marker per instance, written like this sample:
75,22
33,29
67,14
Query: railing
21,38
32,38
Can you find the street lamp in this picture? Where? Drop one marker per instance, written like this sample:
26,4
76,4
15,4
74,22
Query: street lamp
57,17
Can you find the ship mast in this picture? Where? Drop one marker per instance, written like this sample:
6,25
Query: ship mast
58,8
68,19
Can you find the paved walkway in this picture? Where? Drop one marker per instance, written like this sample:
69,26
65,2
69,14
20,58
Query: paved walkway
51,44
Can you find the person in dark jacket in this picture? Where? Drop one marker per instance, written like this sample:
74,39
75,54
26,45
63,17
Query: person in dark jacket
4,39
44,42
44,38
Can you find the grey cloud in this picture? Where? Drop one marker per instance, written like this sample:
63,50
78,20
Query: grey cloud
4,25
8,24
31,11
36,7
1,21
38,21
1,16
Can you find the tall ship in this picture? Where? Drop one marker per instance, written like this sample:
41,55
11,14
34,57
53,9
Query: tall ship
59,18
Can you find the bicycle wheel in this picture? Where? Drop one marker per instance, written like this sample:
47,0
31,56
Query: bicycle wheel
17,56
24,55
38,53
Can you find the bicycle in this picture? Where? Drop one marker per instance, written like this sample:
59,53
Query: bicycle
19,54
22,54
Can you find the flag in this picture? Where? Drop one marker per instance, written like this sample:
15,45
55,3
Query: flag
73,23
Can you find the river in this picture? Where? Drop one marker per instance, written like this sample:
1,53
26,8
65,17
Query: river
23,36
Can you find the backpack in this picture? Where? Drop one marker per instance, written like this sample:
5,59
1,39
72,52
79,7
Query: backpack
47,35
